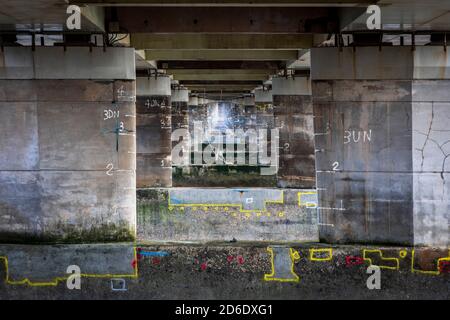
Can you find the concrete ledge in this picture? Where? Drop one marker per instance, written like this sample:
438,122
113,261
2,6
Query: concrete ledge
371,63
263,96
298,86
180,95
74,63
152,86
193,101
245,214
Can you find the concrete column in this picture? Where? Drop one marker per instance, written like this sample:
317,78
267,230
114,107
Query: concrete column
249,112
154,128
67,164
180,109
294,118
264,109
180,120
383,144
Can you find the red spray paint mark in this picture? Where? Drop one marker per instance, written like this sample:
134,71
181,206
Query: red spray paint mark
134,263
240,259
444,266
156,261
203,266
230,259
353,261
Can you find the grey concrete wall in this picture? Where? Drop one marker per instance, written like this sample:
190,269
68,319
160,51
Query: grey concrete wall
67,150
209,215
382,140
154,128
431,161
364,160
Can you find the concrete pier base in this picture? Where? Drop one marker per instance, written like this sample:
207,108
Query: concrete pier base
382,144
67,164
294,118
154,127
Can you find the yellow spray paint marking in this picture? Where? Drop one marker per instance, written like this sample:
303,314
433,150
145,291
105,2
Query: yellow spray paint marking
306,204
282,263
395,260
435,273
313,252
232,205
57,280
403,254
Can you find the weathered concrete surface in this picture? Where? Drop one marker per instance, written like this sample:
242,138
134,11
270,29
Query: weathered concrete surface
381,142
202,215
364,159
294,119
224,271
154,128
67,63
431,162
180,121
66,167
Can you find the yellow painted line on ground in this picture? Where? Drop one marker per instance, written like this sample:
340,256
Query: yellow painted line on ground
295,256
56,280
397,262
313,251
434,273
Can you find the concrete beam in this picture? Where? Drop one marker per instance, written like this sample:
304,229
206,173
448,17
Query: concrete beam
228,3
225,19
220,41
95,17
239,64
228,55
220,88
220,75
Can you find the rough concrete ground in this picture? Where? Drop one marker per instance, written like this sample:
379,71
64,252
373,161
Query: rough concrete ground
220,271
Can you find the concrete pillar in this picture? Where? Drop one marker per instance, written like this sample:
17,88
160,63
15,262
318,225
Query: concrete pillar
154,128
249,112
180,110
294,118
180,120
383,144
67,164
264,109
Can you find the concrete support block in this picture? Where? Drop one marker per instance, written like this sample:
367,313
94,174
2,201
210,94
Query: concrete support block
389,63
193,101
294,118
154,127
291,86
381,140
153,86
249,101
67,169
180,95
70,63
263,96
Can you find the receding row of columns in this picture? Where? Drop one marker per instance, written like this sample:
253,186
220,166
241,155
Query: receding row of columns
368,131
